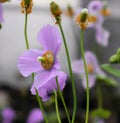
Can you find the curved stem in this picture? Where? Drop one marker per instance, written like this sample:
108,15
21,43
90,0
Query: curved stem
25,32
62,99
41,106
71,74
86,73
99,96
56,106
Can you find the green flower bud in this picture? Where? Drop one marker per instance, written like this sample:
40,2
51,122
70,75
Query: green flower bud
56,11
118,52
114,59
84,15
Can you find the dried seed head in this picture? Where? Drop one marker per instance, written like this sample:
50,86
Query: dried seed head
26,6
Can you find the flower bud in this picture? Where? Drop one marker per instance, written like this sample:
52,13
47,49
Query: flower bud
56,11
84,15
105,11
114,59
82,19
118,52
69,11
26,6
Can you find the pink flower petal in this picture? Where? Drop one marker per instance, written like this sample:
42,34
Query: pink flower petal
102,35
78,67
49,38
91,80
27,62
46,87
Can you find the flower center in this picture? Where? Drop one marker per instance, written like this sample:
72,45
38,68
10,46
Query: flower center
90,68
47,60
105,12
92,18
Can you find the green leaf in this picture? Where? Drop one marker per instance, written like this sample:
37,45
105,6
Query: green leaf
108,81
102,113
110,69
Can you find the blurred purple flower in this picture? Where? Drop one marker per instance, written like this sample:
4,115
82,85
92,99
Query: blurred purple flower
1,13
35,116
102,35
94,8
45,88
8,115
92,66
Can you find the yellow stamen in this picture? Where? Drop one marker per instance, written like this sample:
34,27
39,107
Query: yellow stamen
92,18
105,12
47,60
90,68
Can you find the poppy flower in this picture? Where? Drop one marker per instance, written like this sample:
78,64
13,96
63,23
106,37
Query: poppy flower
92,67
44,63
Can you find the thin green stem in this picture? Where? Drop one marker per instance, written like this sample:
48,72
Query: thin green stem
63,101
27,47
71,74
56,106
41,106
86,73
25,31
99,96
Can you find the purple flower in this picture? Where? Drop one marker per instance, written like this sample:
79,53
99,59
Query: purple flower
8,115
44,62
35,116
1,13
94,8
92,67
45,88
102,35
